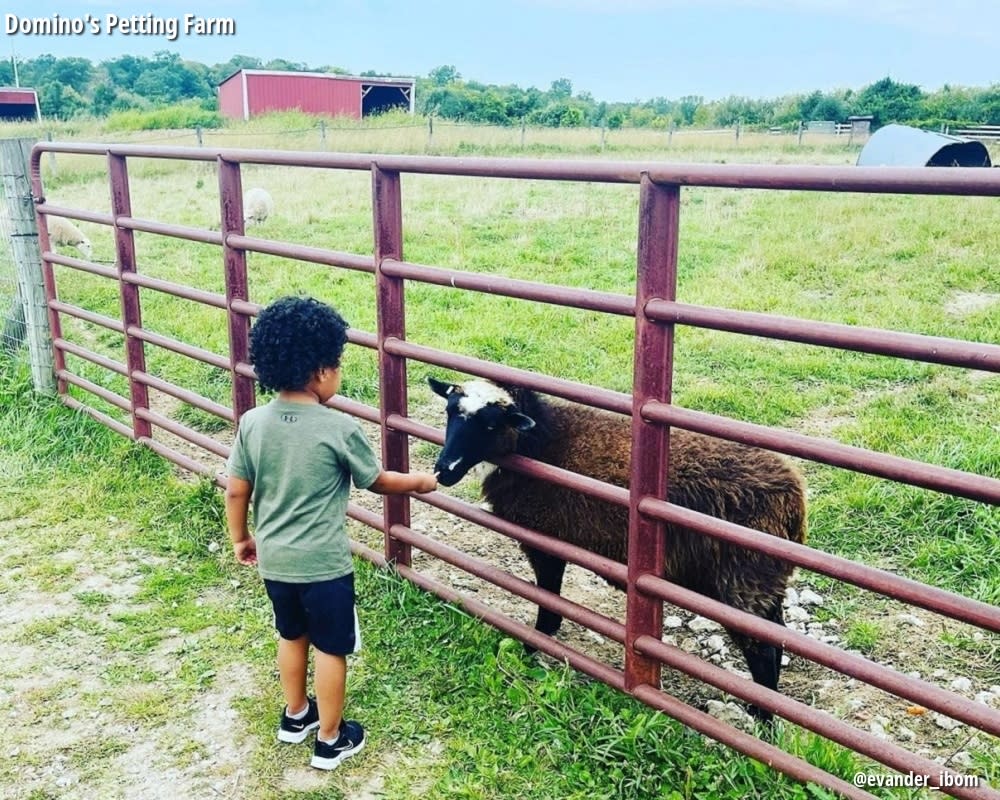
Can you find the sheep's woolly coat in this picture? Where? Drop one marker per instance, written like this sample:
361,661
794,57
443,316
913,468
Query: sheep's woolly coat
741,484
257,205
63,233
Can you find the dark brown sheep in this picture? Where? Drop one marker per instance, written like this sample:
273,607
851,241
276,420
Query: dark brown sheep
731,481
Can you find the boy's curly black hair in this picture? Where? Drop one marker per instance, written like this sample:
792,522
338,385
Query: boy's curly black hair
292,339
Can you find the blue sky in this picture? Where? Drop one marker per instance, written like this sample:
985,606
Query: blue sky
624,50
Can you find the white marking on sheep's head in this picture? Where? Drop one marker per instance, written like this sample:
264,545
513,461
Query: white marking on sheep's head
481,420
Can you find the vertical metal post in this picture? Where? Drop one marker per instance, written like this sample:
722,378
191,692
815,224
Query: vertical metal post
387,207
659,216
235,266
135,355
29,318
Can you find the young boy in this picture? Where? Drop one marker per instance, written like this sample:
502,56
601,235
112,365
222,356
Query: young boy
295,459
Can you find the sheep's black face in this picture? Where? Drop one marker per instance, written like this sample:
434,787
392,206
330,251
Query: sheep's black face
480,418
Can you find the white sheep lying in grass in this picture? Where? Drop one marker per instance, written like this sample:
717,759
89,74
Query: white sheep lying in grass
63,232
257,205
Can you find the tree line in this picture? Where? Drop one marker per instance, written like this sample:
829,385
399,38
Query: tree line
73,86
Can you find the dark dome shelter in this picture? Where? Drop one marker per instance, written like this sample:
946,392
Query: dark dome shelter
903,146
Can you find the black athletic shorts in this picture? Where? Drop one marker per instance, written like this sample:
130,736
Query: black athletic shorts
324,611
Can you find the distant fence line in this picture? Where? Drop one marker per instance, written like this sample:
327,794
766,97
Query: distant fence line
989,133
523,135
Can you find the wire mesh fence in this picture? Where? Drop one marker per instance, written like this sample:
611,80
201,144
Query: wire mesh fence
12,325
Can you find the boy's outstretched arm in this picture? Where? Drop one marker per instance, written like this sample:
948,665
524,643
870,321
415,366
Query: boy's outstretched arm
389,482
238,492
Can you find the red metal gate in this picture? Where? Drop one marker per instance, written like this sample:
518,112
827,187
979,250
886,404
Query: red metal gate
656,312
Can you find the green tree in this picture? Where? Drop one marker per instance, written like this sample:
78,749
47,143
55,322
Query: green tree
73,72
59,101
442,76
124,71
561,89
888,101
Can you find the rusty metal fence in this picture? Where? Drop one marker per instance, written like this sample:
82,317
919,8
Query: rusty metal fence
657,312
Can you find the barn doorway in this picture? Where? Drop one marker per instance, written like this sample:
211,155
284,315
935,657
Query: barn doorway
377,98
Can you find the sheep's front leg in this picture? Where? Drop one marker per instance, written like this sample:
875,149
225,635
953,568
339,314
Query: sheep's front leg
549,572
764,661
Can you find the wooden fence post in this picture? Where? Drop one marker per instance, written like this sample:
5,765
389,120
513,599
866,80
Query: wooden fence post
430,132
801,128
29,313
522,132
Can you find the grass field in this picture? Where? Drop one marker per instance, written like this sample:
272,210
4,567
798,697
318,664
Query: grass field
462,724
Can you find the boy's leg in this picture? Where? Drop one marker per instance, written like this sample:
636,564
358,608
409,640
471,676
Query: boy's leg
293,661
330,683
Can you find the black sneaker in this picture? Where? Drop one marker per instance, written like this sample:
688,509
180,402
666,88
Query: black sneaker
296,730
350,742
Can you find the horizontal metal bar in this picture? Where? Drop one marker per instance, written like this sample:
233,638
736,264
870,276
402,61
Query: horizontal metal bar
369,518
213,299
875,341
575,612
191,398
821,722
187,232
926,694
586,299
182,460
80,265
301,252
183,432
181,348
913,592
87,316
83,215
745,743
570,390
883,465
91,356
355,409
604,567
116,400
905,180
101,417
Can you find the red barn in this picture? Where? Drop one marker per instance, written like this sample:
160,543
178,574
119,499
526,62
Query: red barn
16,103
249,92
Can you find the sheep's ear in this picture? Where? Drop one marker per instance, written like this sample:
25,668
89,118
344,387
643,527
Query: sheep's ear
520,422
440,387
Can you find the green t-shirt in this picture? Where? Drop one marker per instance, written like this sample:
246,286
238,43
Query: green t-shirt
301,459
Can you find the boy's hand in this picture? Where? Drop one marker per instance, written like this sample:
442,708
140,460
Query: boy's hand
246,551
427,482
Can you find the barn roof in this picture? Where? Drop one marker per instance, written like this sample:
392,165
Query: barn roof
903,146
14,94
327,75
